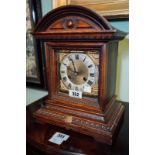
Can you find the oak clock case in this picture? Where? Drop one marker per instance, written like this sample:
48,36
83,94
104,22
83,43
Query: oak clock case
81,57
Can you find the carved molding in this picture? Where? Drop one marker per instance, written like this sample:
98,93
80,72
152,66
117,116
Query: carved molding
72,120
52,115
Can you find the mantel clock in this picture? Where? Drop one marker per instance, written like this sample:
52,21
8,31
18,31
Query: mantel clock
81,58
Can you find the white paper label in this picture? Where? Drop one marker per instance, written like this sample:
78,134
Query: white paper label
58,138
87,89
74,93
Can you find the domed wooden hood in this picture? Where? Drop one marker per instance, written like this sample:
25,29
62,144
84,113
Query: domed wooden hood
73,23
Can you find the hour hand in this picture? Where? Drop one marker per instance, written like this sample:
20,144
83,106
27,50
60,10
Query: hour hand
74,66
70,69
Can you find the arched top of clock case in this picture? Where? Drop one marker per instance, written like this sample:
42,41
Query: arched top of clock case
75,20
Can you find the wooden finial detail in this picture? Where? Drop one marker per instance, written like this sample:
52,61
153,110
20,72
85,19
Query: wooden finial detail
70,23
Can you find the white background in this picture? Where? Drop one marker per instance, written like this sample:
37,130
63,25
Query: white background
13,73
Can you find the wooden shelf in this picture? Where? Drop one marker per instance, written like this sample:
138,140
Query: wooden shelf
39,134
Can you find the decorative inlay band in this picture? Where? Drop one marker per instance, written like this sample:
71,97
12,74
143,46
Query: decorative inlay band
71,120
90,124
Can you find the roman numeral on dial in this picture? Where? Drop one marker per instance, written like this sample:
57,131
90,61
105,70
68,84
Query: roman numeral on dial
92,74
69,58
64,79
84,59
90,66
89,82
69,86
65,64
77,56
62,71
76,88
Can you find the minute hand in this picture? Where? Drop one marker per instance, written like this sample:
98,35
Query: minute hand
74,66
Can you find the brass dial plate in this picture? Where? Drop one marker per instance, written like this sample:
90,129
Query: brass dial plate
79,69
80,76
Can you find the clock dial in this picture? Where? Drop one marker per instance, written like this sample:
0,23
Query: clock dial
78,72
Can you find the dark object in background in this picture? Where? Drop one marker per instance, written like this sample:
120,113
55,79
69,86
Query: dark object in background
35,65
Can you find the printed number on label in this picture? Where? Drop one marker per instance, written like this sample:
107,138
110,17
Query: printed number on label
76,94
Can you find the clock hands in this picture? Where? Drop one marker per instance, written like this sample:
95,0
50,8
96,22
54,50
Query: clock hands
75,71
73,75
74,66
78,70
70,69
